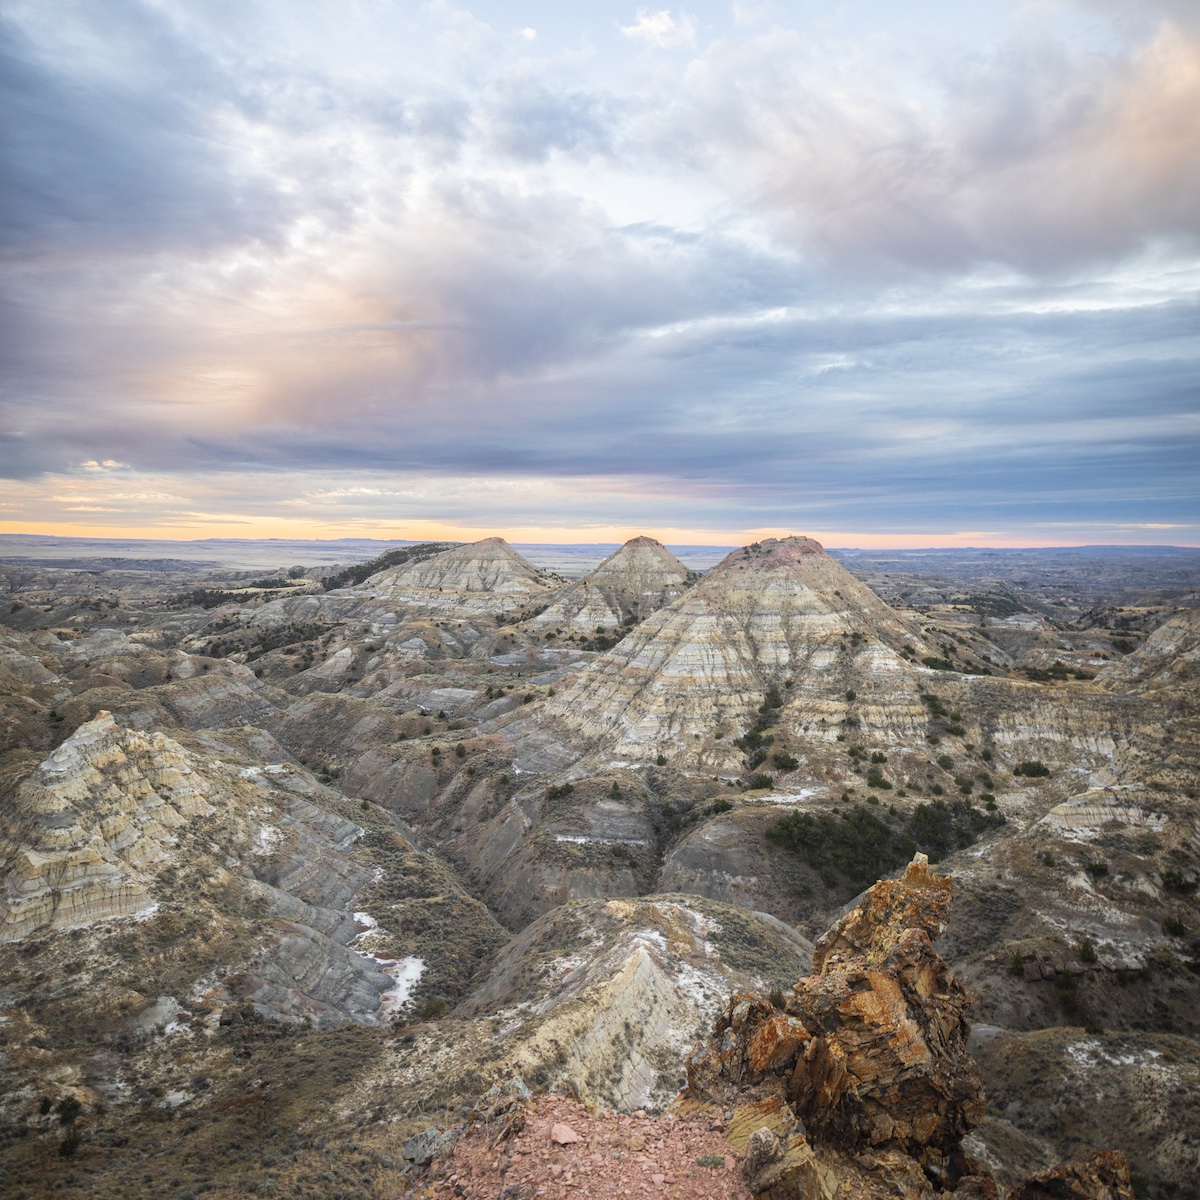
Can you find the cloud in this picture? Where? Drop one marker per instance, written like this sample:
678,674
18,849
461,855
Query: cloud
125,161
1032,156
528,120
400,262
661,29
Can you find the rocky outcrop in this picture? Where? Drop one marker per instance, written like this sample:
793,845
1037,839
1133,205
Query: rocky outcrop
92,825
607,996
630,584
860,1082
1104,1176
120,823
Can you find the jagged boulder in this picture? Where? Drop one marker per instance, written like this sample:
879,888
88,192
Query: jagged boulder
1104,1176
860,1082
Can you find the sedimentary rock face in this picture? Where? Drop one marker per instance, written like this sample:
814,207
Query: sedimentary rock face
689,680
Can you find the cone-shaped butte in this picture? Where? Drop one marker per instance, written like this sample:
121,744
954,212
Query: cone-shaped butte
630,584
488,576
777,619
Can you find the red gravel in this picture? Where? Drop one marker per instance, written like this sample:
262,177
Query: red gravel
618,1156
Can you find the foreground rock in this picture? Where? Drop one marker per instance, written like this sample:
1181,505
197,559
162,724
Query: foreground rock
594,1154
860,1083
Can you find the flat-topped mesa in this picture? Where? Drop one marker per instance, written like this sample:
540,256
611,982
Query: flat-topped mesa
630,584
862,1084
487,576
779,619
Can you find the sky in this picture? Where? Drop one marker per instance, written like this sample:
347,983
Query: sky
889,274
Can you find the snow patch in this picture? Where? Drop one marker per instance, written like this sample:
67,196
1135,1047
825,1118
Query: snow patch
405,972
266,841
584,840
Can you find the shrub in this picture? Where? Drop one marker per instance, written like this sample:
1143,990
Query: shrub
986,755
661,760
776,998
45,1104
71,1143
879,757
1032,770
760,780
955,730
852,695
1016,964
563,789
1097,870
434,1008
938,790
938,664
1049,859
785,762
460,750
1174,881
945,762
1174,927
1087,951
964,784
1068,992
875,779
718,806
860,847
854,845
390,558
68,1108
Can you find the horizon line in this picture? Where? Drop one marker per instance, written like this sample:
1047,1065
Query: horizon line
885,541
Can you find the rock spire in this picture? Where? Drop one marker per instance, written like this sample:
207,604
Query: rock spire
860,1082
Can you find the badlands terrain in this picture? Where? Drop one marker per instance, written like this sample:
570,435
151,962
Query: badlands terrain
300,860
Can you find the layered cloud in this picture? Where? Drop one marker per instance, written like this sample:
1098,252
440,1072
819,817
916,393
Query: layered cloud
723,270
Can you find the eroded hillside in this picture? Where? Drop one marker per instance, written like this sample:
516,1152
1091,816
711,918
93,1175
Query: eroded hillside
310,867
